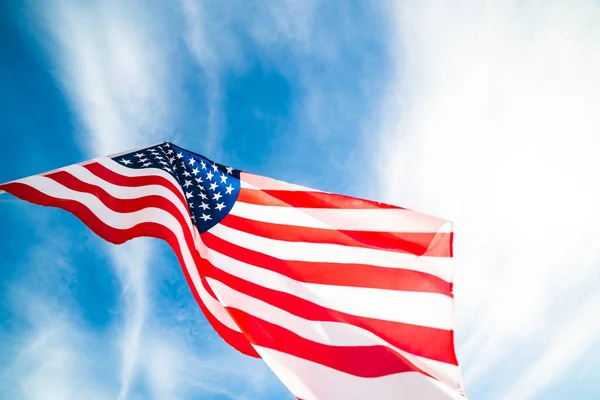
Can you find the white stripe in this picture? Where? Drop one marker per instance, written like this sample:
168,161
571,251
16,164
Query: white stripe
251,181
22,180
368,219
332,253
311,381
328,333
108,163
432,310
132,172
129,220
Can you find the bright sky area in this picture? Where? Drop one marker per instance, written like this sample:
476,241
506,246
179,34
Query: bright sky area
484,113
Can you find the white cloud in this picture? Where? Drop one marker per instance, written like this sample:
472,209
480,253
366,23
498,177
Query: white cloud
47,353
116,63
292,23
491,120
175,373
54,360
573,339
210,40
113,62
216,36
131,262
306,42
58,356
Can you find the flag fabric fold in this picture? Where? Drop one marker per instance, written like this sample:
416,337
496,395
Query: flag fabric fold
343,298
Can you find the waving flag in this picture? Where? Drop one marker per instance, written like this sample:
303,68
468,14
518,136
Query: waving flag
343,298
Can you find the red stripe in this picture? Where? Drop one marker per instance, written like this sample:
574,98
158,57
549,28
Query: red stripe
115,203
131,205
432,343
363,361
117,236
133,181
299,199
416,243
357,275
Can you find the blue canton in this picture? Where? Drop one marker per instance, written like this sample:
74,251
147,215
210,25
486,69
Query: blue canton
210,189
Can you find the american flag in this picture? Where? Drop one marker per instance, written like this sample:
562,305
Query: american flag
343,298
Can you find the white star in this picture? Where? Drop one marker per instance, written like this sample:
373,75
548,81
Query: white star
171,160
229,189
202,164
139,155
192,161
141,160
215,167
163,162
167,145
170,151
193,217
167,168
179,155
229,170
201,187
223,178
220,206
217,196
186,174
147,164
203,196
198,180
187,183
205,206
213,186
159,157
126,162
209,175
205,217
188,195
195,171
191,205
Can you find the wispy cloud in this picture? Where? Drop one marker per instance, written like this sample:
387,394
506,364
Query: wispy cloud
491,120
175,373
112,62
60,357
54,360
47,352
112,59
210,40
131,262
117,63
561,357
326,57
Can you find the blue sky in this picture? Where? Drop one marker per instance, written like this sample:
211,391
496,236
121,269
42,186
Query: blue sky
485,114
